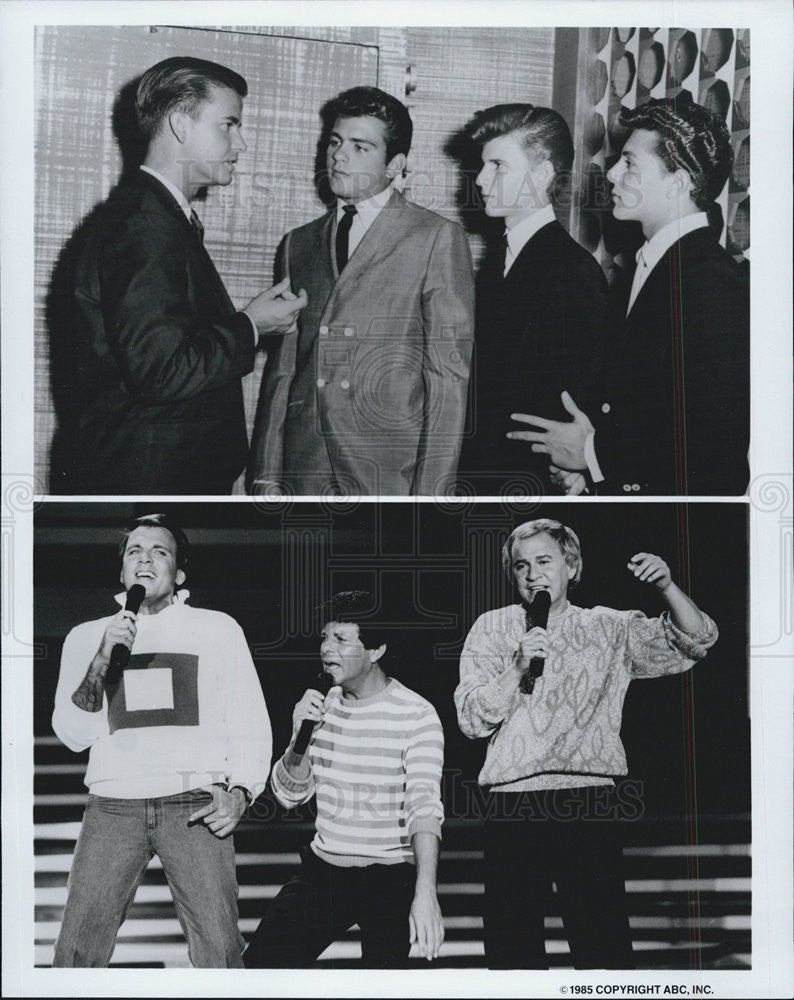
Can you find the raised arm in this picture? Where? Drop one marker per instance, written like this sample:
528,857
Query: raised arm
491,667
292,779
675,641
80,716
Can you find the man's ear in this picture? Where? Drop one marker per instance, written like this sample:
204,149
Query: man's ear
680,183
180,577
541,177
178,124
375,654
396,165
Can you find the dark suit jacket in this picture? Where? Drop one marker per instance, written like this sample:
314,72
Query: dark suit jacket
370,397
158,353
540,330
675,415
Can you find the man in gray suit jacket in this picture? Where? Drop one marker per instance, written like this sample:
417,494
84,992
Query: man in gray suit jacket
370,397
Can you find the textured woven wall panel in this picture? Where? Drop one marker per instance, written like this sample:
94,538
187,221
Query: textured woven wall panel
459,71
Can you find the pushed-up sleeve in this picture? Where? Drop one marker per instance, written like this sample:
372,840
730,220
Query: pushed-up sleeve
74,727
656,646
480,700
424,761
291,790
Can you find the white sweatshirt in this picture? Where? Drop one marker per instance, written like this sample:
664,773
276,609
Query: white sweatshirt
189,710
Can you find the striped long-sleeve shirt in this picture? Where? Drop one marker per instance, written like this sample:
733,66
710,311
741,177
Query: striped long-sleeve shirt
375,767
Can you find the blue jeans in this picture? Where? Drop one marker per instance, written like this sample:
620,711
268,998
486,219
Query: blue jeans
117,840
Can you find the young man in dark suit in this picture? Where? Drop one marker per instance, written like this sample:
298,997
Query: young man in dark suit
541,301
370,398
675,412
159,349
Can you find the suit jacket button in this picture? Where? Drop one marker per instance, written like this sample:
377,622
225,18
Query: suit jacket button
605,407
320,383
344,384
635,487
323,331
349,331
627,488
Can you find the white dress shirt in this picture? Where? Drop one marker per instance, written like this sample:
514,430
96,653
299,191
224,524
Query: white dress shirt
366,213
652,251
522,232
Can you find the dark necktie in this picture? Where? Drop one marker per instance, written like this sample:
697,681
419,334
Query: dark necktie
501,256
195,222
342,236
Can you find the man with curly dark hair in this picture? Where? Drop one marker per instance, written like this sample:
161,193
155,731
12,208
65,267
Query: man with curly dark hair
675,414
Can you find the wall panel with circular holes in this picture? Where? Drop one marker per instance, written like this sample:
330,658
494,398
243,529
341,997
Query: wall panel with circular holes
624,67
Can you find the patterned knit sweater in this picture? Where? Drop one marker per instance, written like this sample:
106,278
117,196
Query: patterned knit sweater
376,771
567,732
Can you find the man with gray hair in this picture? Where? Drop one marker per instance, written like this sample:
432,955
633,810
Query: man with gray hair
550,698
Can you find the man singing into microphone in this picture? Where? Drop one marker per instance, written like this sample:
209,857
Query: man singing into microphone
555,745
374,763
179,743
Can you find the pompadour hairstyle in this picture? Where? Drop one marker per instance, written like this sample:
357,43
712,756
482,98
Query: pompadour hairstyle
688,137
567,540
181,83
370,102
539,130
159,521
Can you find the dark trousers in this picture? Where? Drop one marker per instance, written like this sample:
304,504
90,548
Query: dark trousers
572,838
321,901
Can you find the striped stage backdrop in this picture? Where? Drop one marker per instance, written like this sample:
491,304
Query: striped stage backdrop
689,905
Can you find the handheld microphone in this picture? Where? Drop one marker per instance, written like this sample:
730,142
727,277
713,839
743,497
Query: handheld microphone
537,617
323,684
120,654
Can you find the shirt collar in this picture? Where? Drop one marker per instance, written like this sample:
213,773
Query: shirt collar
522,232
652,251
367,209
184,204
180,596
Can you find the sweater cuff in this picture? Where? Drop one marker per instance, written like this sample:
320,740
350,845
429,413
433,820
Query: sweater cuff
694,645
493,703
290,783
424,824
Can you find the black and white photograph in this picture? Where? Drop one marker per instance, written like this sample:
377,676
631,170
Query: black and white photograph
605,748
274,290
397,498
